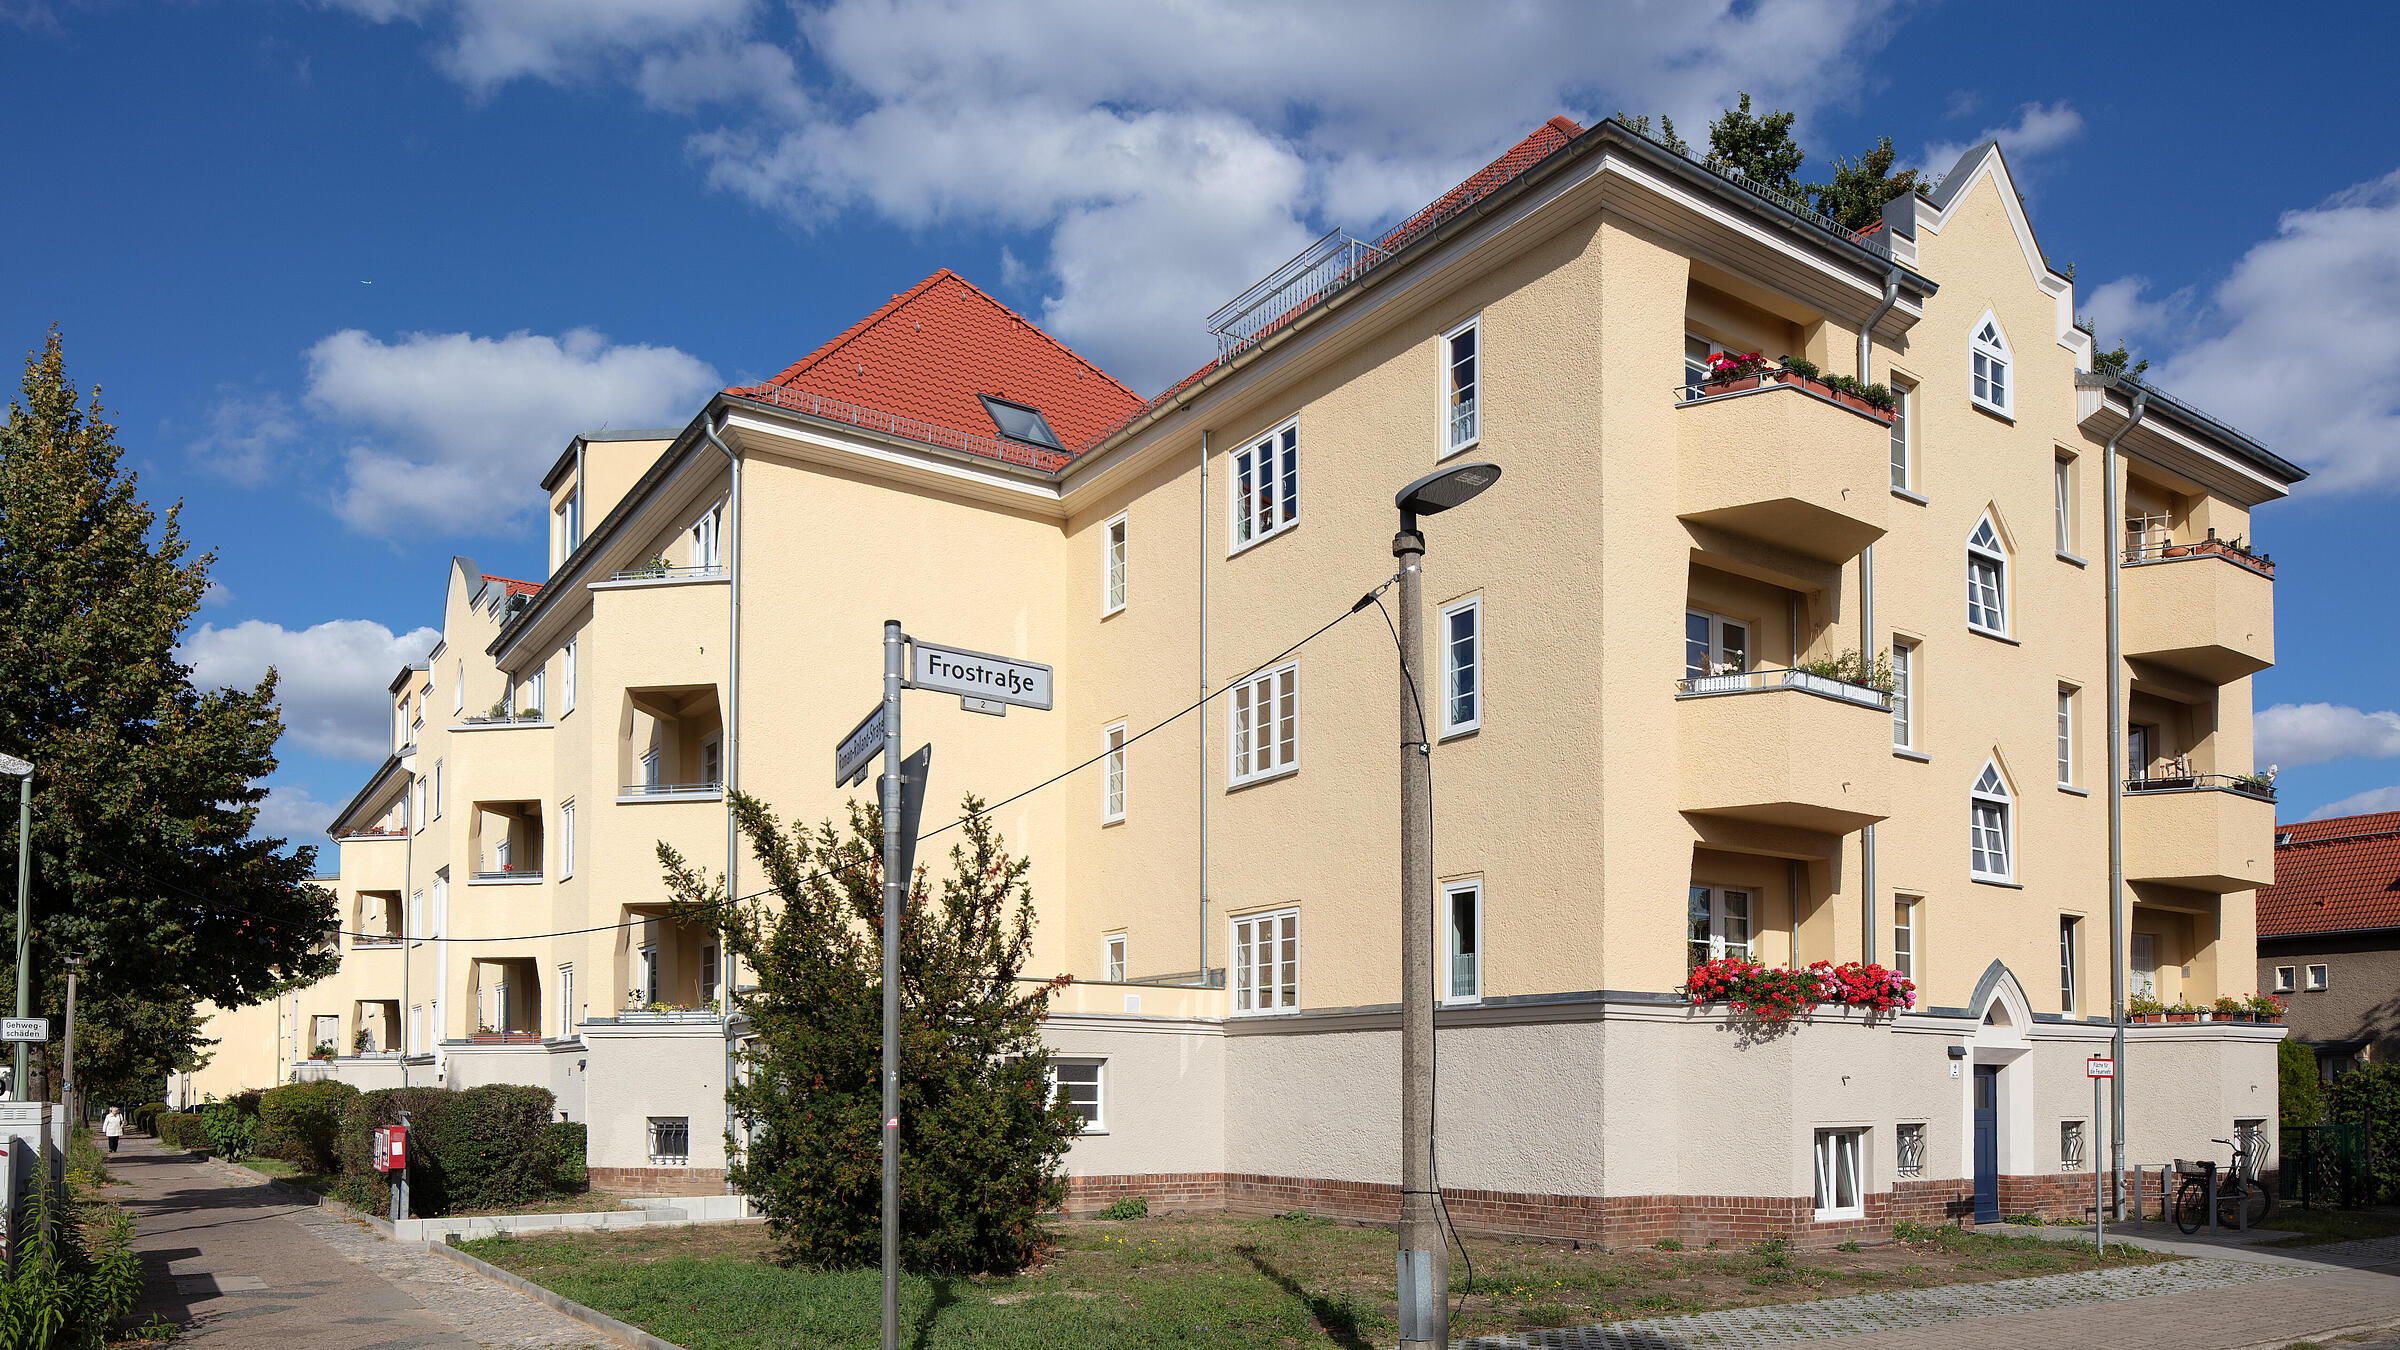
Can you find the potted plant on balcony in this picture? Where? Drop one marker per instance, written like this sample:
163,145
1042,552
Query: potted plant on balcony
363,1043
2230,1009
2183,1012
2145,1008
2266,1008
1844,675
1731,373
323,1050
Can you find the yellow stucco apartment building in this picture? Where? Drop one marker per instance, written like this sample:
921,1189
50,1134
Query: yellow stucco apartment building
1636,767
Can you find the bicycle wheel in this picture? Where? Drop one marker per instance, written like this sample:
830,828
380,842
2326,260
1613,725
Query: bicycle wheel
2257,1203
2191,1207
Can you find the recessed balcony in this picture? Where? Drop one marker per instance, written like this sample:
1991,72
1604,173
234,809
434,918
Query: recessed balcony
2202,832
1784,464
1784,747
632,793
2205,610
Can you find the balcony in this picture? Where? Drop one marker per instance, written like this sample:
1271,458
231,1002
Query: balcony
2202,832
499,717
671,792
1784,464
2206,610
657,572
1784,747
505,840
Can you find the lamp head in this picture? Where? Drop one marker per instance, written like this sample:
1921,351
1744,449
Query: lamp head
1444,488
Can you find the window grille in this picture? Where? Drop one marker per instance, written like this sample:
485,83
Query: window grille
670,1139
2070,1146
1912,1151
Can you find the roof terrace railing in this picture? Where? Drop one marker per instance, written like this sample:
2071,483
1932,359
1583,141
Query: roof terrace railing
1878,243
1334,259
966,442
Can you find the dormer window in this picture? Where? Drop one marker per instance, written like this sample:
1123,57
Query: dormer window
1988,382
1020,423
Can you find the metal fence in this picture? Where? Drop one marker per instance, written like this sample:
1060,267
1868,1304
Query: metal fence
2327,1165
1332,261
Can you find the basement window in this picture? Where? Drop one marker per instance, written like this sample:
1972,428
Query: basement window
1020,423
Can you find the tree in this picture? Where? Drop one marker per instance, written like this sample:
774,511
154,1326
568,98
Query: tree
981,1137
2299,1090
2115,362
1761,147
1860,187
1665,135
144,787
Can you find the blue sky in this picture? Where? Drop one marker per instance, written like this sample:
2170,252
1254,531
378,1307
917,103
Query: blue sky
351,272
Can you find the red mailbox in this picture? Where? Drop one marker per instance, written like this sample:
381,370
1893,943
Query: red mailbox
391,1148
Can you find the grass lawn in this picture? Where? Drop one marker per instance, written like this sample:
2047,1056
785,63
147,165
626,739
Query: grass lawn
1216,1281
2317,1227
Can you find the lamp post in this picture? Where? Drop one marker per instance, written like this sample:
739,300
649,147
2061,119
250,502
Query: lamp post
11,766
1424,1261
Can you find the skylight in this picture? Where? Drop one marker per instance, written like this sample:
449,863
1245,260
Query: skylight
1020,423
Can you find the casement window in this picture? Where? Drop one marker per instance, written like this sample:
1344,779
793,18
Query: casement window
1266,487
2142,955
1714,646
416,916
670,1141
1112,566
708,972
437,789
1910,1161
505,856
2066,735
1719,923
1987,580
566,679
1462,909
712,762
1266,961
704,537
1839,1189
2070,1146
1112,775
1904,465
2062,502
646,967
458,691
1462,667
533,692
1988,828
1696,351
2070,943
416,1027
2318,978
417,813
1904,694
1263,725
1461,425
566,1000
1113,958
1905,938
1988,380
1078,1084
570,524
566,839
2138,740
2283,979
649,767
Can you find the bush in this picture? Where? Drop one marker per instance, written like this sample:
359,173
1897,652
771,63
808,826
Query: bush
63,1294
145,1117
490,1147
2373,1095
573,1175
231,1129
178,1129
1131,1207
301,1123
2301,1093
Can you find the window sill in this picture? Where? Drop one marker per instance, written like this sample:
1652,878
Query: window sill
1278,532
2000,882
1107,614
1237,784
1458,733
1458,449
1989,411
1996,637
1907,496
1837,1215
1107,822
2072,790
1902,752
2066,557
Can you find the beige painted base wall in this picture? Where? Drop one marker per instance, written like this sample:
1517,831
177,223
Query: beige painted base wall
639,1072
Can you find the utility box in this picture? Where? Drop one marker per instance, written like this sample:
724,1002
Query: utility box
391,1148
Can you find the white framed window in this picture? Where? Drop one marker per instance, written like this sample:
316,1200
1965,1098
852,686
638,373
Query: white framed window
709,967
1904,461
1462,920
2070,1146
458,689
1462,667
416,915
1112,956
566,1000
649,767
417,812
437,789
1910,1139
1696,351
1904,934
2062,502
2283,979
566,839
1719,923
1461,422
2070,943
1112,565
712,761
1839,1192
1987,580
533,691
646,963
505,854
2143,957
1713,647
1263,724
570,524
1080,1084
1989,827
670,1140
2066,735
1112,775
2319,977
1904,694
566,679
704,536
1266,486
416,1027
1266,961
1988,379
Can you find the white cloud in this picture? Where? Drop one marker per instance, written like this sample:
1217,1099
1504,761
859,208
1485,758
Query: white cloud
453,426
2315,733
333,676
2039,129
2296,345
216,595
1170,155
2121,311
2359,804
289,812
247,437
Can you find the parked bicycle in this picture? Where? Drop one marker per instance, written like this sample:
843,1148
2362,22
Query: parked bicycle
2242,1200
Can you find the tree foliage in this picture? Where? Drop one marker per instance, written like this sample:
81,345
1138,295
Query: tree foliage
1860,187
144,786
1761,146
1664,135
2118,362
2298,1088
980,1137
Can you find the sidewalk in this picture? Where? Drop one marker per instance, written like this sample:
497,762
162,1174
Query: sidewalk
237,1265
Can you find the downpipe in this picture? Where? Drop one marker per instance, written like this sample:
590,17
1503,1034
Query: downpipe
1867,922
2116,798
733,712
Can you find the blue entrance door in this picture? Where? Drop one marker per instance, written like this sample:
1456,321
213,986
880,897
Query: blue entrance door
1987,1144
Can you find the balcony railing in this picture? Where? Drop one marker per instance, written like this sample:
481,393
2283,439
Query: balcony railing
387,940
2256,785
502,718
662,572
2167,550
1271,302
1762,680
644,790
1702,390
507,874
646,1013
378,832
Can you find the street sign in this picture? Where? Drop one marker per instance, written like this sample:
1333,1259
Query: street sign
2096,1067
854,752
913,772
954,670
992,706
33,1030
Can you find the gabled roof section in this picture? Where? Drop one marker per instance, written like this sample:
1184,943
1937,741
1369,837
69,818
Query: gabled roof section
2334,875
513,586
929,355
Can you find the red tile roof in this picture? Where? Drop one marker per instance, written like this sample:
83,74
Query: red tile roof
515,587
2334,874
924,357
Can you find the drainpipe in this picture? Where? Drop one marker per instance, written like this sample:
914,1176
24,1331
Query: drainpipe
1866,637
2116,799
732,740
408,935
1200,759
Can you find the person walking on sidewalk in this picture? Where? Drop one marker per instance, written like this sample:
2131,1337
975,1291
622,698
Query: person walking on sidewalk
112,1125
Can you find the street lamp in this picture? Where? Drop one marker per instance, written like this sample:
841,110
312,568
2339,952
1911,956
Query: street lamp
1424,1259
13,767
66,1076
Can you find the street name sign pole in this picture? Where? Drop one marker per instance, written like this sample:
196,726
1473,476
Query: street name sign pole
2098,1070
895,894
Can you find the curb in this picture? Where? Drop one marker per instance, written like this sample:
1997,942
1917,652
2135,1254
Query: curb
301,1195
599,1321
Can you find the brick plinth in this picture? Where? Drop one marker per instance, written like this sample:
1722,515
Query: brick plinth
660,1180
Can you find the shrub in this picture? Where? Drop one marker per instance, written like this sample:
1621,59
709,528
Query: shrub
572,1176
65,1295
2302,1094
1801,366
2372,1095
301,1123
145,1117
1131,1207
231,1129
490,1147
185,1131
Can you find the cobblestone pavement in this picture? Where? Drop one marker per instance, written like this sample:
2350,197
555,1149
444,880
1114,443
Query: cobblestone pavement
237,1265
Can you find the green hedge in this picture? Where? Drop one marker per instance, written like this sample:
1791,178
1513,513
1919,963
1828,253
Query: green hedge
145,1117
301,1123
490,1147
177,1129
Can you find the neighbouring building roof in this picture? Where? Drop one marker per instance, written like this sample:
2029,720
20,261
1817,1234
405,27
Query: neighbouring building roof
2334,875
515,587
